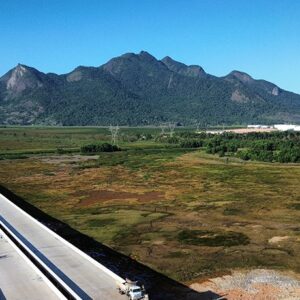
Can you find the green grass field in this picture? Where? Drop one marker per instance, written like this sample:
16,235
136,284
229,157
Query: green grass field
47,139
183,212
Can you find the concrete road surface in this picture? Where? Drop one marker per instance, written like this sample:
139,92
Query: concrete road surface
18,279
83,276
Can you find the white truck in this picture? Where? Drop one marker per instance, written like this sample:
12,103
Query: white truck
132,290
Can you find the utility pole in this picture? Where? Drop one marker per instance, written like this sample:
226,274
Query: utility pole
197,127
114,131
171,128
162,128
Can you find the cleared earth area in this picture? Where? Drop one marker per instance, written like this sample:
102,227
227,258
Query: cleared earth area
255,284
187,214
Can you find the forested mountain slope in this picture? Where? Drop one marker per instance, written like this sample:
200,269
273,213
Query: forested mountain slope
138,89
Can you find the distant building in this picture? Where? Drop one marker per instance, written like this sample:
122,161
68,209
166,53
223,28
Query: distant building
297,128
286,127
259,126
215,131
253,126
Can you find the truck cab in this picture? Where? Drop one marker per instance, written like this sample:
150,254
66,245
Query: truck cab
135,293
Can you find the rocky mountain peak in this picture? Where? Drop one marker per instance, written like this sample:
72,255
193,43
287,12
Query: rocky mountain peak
138,89
241,76
146,55
173,64
21,78
180,68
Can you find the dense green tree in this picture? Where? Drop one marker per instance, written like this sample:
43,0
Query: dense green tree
94,148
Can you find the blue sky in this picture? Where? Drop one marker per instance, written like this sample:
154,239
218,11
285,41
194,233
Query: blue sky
260,37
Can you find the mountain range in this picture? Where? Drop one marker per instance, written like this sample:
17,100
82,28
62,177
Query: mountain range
138,89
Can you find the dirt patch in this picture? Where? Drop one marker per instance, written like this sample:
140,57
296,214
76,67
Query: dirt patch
158,242
105,195
249,130
256,226
278,239
67,159
212,238
257,284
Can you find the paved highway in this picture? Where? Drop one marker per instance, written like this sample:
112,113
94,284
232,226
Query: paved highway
85,277
18,278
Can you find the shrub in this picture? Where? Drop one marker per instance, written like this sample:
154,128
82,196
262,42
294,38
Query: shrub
61,151
94,148
191,143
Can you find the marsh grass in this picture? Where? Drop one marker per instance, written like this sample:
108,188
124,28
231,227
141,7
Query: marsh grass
213,215
213,238
137,158
100,222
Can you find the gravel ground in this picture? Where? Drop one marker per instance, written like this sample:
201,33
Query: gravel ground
256,284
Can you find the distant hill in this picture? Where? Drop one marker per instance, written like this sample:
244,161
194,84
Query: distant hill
138,89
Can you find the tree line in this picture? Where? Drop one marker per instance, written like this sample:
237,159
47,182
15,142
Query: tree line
281,147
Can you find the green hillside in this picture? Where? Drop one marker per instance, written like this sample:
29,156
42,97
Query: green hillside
138,89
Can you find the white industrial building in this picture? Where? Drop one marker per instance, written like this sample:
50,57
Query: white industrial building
286,127
297,128
259,126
